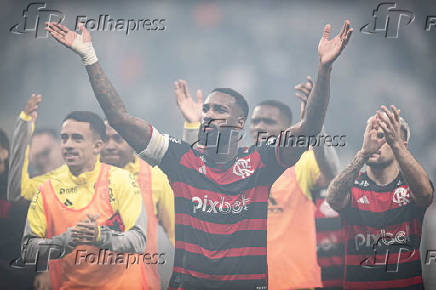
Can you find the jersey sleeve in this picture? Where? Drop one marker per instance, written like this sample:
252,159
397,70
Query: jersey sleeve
163,198
36,216
164,151
307,172
19,182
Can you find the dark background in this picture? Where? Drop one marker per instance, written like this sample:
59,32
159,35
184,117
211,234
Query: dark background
260,48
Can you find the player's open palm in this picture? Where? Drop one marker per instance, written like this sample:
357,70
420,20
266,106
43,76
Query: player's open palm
190,109
371,140
79,43
305,89
330,49
32,105
62,34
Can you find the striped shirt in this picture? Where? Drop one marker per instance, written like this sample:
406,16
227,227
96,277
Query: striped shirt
382,227
330,243
220,217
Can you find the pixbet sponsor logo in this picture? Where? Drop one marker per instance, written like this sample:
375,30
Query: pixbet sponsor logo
382,238
210,206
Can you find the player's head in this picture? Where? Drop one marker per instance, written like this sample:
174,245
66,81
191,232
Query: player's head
224,115
269,118
116,150
384,157
224,107
82,136
45,153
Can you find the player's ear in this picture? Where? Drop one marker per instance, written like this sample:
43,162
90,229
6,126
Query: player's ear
406,144
241,122
98,145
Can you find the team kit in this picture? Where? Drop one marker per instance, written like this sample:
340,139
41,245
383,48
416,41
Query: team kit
128,207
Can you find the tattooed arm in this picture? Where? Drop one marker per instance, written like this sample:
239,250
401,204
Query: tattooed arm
135,131
313,120
339,188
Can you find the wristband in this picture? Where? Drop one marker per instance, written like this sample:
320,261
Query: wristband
192,125
25,117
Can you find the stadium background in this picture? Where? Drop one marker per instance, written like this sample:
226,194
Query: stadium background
260,48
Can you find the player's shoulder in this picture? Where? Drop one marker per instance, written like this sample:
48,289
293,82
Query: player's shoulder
118,173
58,175
156,172
59,172
307,159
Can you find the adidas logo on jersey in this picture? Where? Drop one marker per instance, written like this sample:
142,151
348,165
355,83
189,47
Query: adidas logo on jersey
363,200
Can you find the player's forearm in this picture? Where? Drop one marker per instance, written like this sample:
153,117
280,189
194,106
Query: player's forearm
130,241
341,184
18,177
317,103
414,174
327,161
34,247
313,119
106,94
135,131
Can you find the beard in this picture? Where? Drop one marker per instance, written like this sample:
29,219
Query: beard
379,164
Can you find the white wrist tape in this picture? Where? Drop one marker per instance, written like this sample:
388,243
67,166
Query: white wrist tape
85,50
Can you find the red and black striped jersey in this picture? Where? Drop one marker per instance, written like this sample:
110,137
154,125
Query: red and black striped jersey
330,243
220,217
382,227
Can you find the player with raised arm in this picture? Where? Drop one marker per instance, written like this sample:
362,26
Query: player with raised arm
290,203
221,192
383,207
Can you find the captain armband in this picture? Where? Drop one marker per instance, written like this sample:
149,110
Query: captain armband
156,148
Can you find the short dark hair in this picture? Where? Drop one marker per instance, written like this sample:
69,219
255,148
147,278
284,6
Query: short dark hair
95,122
4,140
239,99
284,109
48,131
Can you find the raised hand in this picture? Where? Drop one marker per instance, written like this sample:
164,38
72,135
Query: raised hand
32,106
305,89
329,50
79,43
371,140
190,109
390,124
